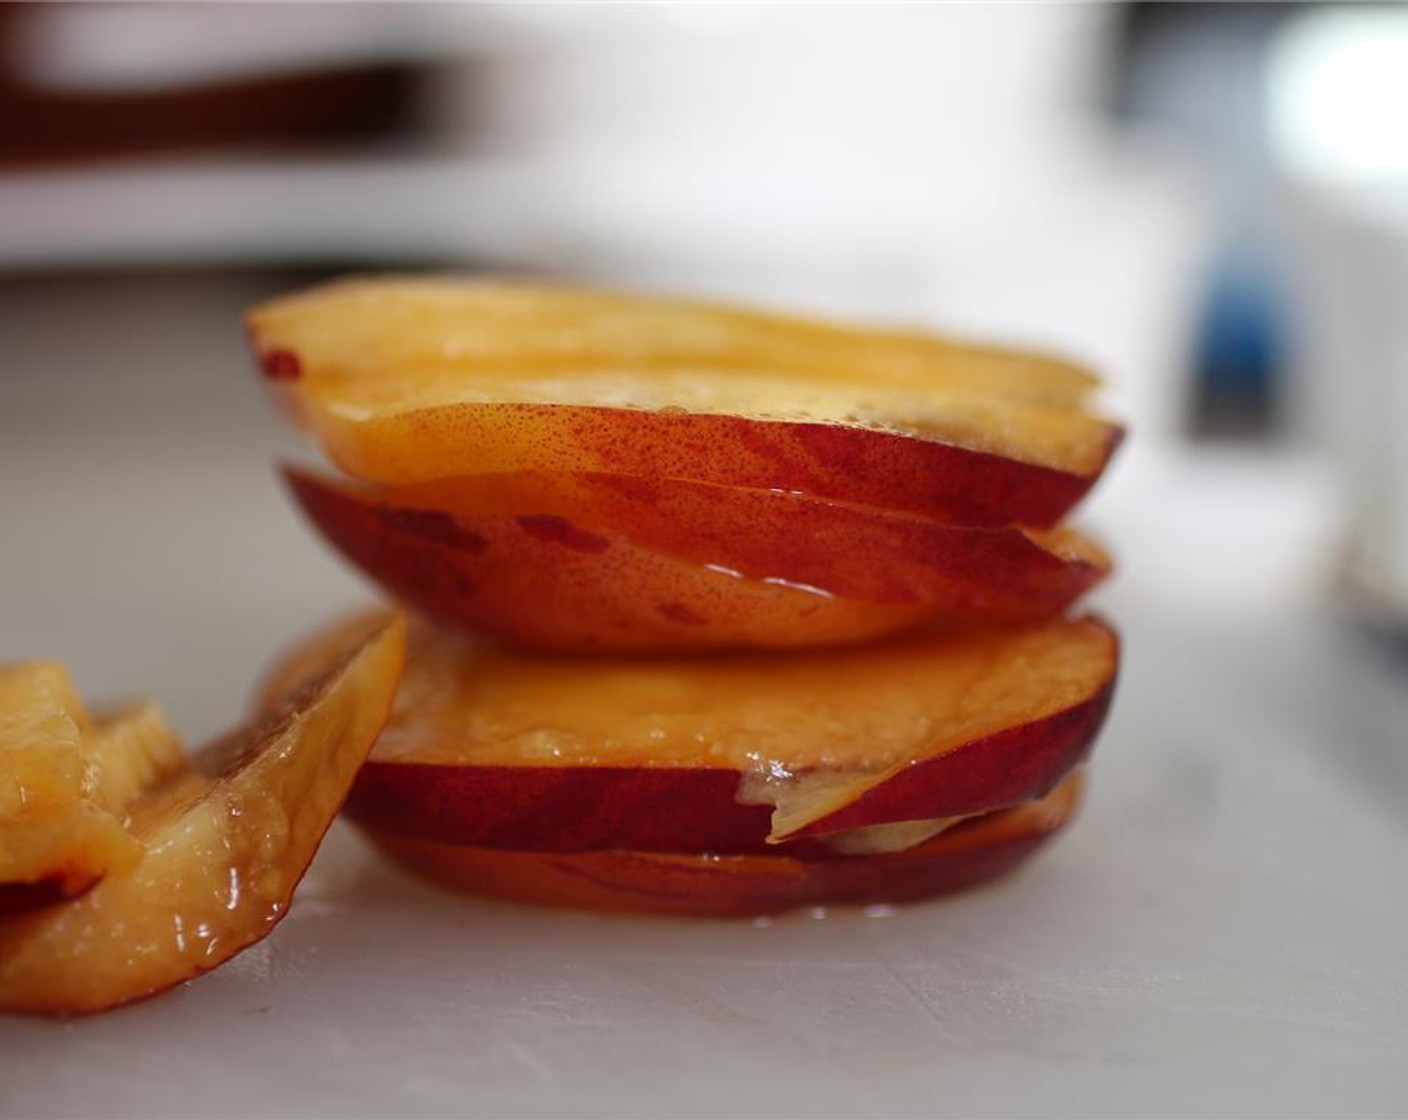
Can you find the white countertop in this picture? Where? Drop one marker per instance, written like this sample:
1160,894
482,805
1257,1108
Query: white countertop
1223,932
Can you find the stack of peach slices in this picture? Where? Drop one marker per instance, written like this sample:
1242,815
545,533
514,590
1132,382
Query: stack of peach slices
716,612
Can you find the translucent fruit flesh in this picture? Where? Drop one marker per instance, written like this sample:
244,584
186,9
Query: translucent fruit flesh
223,842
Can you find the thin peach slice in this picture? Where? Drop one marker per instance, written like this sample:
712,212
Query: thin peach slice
224,845
492,748
592,563
976,851
405,380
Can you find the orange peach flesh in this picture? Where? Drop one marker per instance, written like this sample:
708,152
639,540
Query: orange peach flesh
973,852
224,843
811,732
406,381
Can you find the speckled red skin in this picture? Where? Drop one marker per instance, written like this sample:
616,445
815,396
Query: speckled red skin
887,469
967,855
616,563
649,809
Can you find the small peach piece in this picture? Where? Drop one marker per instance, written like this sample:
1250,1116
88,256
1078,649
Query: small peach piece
224,844
56,837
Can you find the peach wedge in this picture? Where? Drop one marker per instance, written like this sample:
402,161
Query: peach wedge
224,843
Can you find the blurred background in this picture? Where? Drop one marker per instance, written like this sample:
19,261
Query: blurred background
1207,203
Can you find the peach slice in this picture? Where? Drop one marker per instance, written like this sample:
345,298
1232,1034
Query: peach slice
224,844
579,563
411,380
971,853
505,750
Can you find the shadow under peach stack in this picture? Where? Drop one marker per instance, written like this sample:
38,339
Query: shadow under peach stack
717,612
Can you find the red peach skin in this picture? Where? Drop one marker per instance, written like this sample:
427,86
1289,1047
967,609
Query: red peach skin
971,853
589,563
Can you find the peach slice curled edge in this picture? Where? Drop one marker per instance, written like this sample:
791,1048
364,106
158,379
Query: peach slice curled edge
589,563
225,842
749,754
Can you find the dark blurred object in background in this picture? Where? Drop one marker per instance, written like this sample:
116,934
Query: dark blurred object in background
1197,73
79,82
